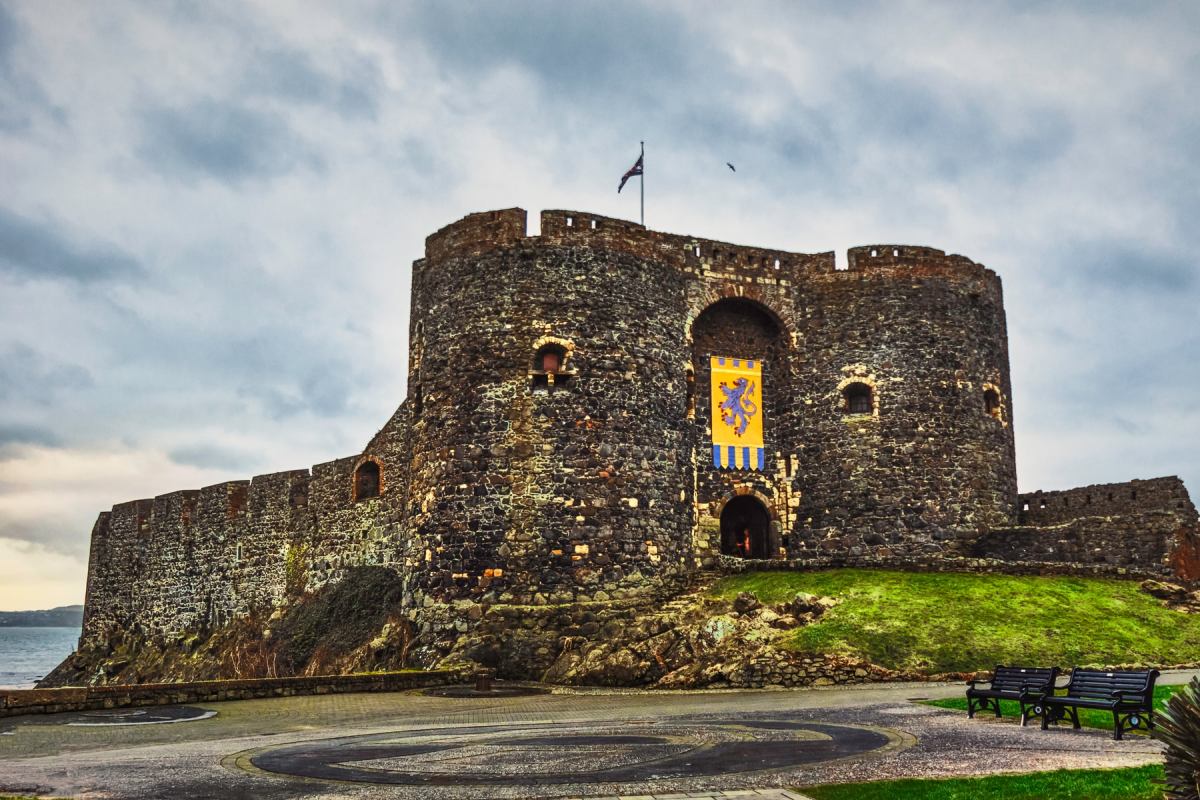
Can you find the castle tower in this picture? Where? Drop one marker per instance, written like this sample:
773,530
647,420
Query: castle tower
560,429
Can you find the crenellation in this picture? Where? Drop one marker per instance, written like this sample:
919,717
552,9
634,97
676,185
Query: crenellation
1167,495
476,234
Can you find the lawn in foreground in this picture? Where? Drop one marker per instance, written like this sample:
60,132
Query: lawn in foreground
1134,783
1088,717
958,622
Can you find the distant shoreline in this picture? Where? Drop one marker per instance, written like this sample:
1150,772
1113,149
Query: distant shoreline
62,617
55,627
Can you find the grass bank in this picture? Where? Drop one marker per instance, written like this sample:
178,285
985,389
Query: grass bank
953,622
1088,717
1135,783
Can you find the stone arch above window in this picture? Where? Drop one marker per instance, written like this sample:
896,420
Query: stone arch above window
858,397
368,479
993,402
750,301
551,368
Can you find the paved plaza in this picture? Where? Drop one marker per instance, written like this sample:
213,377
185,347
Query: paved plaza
570,743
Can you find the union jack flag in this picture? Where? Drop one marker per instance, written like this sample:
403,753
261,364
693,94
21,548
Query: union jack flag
636,169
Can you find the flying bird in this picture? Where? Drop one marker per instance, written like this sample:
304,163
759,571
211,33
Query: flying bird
731,169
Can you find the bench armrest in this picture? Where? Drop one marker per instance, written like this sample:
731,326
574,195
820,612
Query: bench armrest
1121,694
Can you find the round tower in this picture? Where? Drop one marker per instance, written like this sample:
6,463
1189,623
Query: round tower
547,422
904,405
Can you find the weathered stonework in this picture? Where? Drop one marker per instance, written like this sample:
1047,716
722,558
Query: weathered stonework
505,485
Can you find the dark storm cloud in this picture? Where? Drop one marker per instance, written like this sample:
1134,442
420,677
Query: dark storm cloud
1125,265
209,456
42,249
37,379
323,388
292,75
947,133
577,49
56,535
22,99
799,140
14,435
8,36
226,141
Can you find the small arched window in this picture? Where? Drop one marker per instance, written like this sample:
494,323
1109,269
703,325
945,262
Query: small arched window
550,367
857,399
991,402
550,358
367,480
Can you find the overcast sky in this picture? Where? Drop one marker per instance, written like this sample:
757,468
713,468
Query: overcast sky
209,210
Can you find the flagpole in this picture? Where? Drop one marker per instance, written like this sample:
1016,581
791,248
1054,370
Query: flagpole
642,183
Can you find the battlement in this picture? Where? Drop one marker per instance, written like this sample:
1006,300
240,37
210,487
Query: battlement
913,261
1107,499
476,234
176,511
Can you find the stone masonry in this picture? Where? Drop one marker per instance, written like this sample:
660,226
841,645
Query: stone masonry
509,479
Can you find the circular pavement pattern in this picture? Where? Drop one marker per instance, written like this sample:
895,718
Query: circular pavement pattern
137,716
545,754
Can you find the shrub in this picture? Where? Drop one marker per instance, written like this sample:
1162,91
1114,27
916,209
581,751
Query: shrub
1179,728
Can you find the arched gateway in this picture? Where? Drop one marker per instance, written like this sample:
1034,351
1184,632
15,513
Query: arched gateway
746,528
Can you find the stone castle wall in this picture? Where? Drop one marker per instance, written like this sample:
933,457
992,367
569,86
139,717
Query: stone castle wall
1145,524
201,558
499,488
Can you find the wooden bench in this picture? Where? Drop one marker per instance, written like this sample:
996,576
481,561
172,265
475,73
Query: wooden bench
1025,685
1129,695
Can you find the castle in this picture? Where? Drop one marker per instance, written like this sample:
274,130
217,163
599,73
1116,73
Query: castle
558,443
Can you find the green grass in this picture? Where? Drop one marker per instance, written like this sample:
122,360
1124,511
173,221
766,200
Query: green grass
1133,783
1088,717
955,622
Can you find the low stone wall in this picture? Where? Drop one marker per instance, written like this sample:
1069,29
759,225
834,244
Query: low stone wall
89,698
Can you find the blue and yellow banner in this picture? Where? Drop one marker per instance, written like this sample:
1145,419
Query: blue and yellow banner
737,423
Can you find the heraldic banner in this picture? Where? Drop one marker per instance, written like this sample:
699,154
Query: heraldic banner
737,424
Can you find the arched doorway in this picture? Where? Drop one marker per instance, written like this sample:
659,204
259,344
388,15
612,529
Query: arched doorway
745,528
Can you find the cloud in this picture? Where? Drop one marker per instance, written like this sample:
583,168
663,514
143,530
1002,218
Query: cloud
211,456
30,376
23,101
44,251
945,134
291,75
14,436
1124,265
323,389
580,50
229,142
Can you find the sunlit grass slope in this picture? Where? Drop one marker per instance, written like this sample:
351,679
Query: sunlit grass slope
952,622
1134,783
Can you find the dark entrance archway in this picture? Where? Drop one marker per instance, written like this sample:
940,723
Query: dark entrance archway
745,528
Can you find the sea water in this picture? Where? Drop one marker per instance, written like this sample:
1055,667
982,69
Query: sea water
27,654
